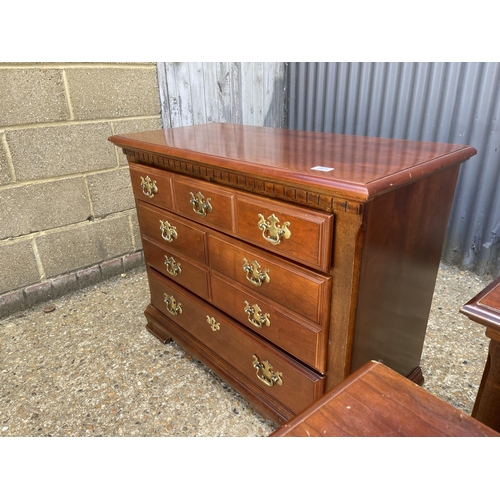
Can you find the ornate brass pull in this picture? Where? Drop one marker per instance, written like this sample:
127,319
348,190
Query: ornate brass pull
213,323
275,231
172,267
200,206
148,186
254,274
173,307
265,372
255,317
168,232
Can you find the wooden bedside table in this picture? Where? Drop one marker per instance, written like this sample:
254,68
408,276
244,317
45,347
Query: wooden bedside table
484,309
375,401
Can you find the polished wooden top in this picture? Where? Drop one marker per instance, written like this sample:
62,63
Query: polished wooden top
484,308
375,401
354,167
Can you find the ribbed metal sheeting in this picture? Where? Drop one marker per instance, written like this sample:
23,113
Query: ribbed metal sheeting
443,102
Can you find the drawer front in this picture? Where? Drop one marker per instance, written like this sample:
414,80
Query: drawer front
152,185
204,203
293,334
303,291
301,234
177,268
172,232
262,365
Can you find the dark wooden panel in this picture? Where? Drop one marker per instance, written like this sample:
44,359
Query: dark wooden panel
404,234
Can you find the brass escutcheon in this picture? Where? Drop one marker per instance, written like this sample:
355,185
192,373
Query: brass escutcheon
255,317
213,323
275,231
254,274
148,186
172,267
173,307
168,232
200,206
265,372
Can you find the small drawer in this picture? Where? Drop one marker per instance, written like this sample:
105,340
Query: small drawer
260,364
296,288
293,334
303,235
187,273
204,203
172,232
152,185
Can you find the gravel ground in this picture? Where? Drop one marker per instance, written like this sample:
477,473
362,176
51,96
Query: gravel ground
90,368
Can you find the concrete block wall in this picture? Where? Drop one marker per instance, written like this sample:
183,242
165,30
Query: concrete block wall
67,213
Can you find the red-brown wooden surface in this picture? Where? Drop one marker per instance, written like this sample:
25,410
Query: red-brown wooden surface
375,401
361,166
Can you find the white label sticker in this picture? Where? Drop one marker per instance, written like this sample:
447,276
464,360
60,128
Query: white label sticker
323,169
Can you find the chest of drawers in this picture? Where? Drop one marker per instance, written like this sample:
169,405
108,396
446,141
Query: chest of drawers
285,260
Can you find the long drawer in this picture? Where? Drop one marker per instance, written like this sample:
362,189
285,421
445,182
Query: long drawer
298,337
296,288
259,363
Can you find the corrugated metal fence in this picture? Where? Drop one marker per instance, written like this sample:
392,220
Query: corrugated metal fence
444,102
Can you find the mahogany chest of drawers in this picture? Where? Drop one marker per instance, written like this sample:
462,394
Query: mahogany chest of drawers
285,260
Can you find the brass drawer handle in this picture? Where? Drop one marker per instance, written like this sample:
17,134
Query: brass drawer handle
213,323
168,232
265,372
200,206
173,307
254,274
275,231
172,267
255,317
148,186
